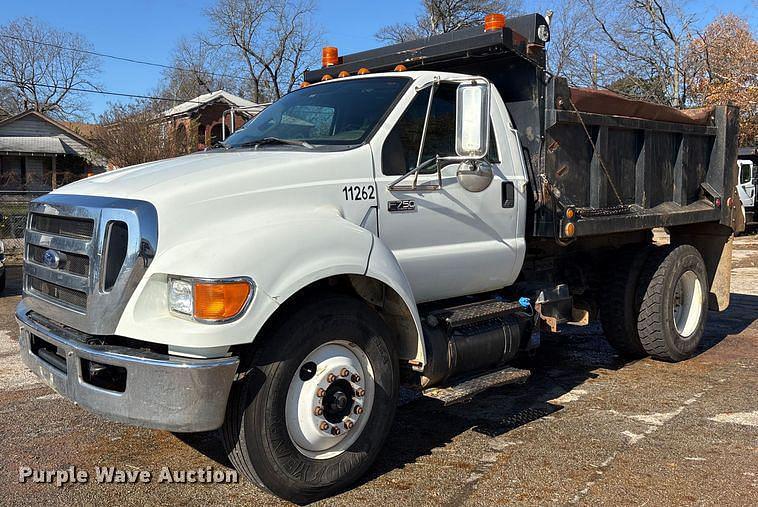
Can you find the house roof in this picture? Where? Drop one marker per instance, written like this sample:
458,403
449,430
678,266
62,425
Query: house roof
209,98
86,130
43,117
38,145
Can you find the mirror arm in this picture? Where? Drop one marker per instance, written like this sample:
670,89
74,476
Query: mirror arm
426,126
414,171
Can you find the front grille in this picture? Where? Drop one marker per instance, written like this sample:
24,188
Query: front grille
75,263
70,227
71,297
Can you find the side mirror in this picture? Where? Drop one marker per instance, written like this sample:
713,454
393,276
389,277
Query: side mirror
472,125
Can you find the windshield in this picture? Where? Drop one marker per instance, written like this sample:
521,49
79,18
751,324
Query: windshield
341,113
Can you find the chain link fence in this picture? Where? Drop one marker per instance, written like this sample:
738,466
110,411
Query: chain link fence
14,209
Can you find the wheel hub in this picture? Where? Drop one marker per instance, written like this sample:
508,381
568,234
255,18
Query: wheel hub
338,401
329,399
688,304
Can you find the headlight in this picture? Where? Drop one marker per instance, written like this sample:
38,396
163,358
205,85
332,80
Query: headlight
209,300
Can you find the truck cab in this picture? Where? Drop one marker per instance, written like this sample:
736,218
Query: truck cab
748,176
377,227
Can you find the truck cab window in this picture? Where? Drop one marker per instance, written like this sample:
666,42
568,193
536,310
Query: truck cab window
400,150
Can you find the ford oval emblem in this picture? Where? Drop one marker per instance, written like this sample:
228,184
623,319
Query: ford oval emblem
51,259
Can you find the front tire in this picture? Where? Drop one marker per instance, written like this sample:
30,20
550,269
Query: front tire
316,405
674,304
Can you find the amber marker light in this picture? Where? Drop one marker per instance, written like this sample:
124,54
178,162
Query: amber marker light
218,301
304,84
329,56
569,229
570,213
401,68
362,71
494,22
326,77
344,73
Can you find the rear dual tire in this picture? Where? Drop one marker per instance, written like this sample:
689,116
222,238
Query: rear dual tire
656,303
294,440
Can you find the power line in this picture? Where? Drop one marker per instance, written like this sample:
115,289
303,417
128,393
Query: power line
101,92
121,58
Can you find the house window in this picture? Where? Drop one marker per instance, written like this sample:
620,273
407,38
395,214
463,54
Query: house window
12,173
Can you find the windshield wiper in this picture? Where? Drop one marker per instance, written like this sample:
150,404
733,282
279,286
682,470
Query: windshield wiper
274,140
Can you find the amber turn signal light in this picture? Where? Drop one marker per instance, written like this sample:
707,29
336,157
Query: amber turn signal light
219,301
569,229
494,22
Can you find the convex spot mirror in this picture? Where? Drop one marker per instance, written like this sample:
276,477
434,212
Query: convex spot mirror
472,130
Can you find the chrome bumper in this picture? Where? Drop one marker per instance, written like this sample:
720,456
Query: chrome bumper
161,391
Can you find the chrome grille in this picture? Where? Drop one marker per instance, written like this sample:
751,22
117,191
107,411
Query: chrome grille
70,227
75,263
101,248
72,297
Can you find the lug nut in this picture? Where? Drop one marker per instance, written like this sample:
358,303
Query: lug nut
318,410
320,392
331,378
358,409
349,424
355,378
360,392
324,425
335,431
344,372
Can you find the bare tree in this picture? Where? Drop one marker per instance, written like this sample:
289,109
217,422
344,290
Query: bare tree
442,16
136,133
43,66
275,41
199,68
635,47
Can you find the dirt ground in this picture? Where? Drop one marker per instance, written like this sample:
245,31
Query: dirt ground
587,428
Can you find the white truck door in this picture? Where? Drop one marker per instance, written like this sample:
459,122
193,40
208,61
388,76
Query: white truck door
746,186
450,242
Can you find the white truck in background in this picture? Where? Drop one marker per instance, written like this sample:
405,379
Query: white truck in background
747,170
415,215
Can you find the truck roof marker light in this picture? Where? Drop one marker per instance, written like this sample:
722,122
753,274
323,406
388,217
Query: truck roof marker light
326,77
569,229
344,73
401,68
329,56
494,22
304,84
219,301
362,71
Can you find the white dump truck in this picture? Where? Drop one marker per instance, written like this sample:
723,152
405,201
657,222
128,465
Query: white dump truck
414,215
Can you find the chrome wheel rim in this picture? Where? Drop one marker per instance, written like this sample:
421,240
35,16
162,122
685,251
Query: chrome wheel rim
688,304
329,399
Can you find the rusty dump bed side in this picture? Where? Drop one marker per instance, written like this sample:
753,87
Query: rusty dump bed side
625,165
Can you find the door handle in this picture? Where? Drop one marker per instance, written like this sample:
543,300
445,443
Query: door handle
508,196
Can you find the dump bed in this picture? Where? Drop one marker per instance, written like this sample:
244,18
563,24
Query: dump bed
604,163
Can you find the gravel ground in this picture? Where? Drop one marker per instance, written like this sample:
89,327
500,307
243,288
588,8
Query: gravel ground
587,428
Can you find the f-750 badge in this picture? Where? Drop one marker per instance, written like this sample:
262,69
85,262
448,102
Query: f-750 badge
401,206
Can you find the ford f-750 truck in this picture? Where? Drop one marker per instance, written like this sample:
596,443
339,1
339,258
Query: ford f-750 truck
413,215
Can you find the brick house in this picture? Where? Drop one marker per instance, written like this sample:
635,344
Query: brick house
209,118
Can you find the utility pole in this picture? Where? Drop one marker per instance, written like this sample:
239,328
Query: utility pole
594,70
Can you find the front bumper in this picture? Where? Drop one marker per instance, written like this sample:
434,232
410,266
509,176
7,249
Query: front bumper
161,391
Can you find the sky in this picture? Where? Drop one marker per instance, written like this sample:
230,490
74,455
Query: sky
148,30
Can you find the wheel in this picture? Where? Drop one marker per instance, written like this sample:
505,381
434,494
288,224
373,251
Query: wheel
314,409
619,304
674,306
